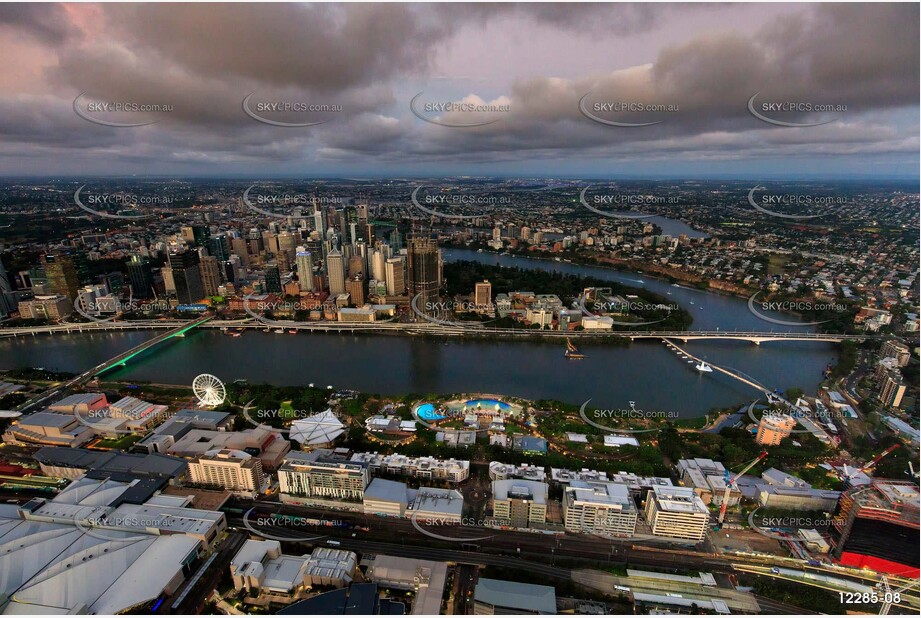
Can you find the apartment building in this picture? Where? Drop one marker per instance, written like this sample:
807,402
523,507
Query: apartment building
677,512
599,508
523,503
234,470
428,468
309,477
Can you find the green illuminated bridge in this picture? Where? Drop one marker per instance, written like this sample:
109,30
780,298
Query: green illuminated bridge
118,361
123,358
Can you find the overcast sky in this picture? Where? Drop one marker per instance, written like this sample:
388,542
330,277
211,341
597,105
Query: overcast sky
537,61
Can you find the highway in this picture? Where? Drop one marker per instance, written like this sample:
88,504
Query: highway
430,328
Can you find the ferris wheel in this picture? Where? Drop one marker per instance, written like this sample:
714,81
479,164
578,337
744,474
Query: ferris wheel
209,390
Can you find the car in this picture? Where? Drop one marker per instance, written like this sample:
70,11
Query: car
775,570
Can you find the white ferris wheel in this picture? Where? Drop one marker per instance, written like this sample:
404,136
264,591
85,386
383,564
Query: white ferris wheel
209,390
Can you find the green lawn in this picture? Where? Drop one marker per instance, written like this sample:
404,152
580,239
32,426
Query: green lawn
119,443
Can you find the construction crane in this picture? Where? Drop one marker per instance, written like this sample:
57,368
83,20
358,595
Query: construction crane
876,459
848,476
890,596
730,483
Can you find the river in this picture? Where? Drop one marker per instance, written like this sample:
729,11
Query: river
645,372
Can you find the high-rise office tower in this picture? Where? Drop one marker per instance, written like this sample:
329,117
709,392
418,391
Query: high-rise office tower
140,274
363,218
355,287
270,241
423,269
7,300
219,247
305,270
356,265
396,280
240,248
201,235
319,219
210,271
186,276
483,294
287,242
335,270
272,279
62,275
377,266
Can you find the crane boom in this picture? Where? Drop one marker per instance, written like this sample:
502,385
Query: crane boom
879,457
732,481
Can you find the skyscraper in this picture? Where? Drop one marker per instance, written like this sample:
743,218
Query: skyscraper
210,275
272,279
7,300
355,286
219,247
335,270
140,275
305,270
62,275
483,295
356,265
423,263
393,275
377,266
186,276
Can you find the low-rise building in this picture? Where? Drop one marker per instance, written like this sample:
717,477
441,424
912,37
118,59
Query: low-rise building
425,578
234,470
522,503
677,512
429,468
600,508
386,498
499,471
497,597
46,308
436,505
785,491
259,566
268,445
708,478
308,478
72,463
49,428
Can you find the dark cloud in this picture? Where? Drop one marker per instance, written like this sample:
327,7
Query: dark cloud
203,59
46,22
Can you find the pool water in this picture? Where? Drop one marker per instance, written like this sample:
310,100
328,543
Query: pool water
426,411
487,403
